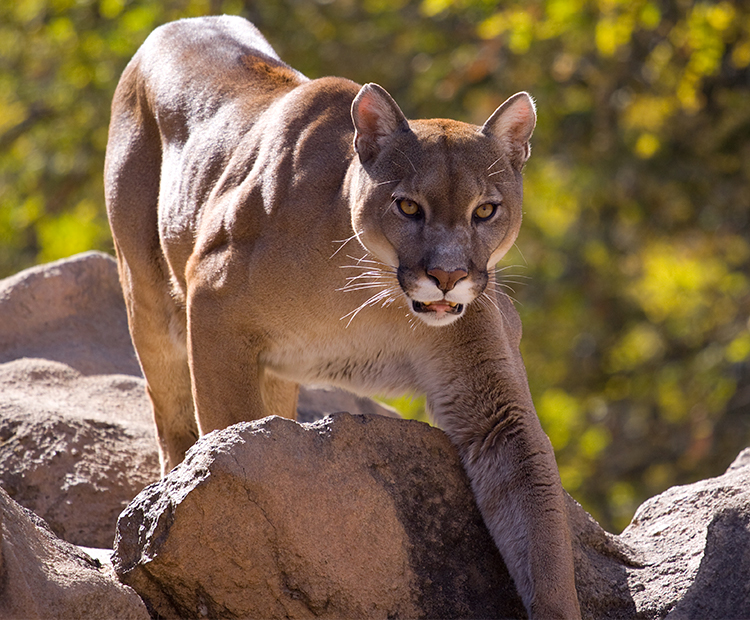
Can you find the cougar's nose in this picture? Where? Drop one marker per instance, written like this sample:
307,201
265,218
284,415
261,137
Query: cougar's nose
446,280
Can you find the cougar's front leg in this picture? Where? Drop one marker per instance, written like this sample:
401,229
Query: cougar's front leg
279,396
513,474
485,407
229,383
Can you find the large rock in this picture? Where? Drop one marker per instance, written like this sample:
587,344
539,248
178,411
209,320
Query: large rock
74,449
76,434
363,516
693,544
69,311
43,577
350,517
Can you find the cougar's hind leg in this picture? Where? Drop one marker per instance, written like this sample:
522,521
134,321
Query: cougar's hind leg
157,327
156,321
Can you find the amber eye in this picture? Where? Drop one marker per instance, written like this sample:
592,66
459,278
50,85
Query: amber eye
408,207
485,211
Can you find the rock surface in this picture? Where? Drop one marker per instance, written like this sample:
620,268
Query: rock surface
363,516
74,449
43,577
693,543
76,436
350,517
69,311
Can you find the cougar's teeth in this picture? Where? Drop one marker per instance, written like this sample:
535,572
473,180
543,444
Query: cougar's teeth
452,304
439,306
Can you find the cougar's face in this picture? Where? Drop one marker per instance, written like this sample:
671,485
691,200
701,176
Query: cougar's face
441,206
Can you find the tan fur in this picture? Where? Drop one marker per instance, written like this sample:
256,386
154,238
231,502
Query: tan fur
261,246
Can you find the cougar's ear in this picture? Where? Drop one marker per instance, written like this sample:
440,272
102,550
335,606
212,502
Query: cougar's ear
376,117
513,123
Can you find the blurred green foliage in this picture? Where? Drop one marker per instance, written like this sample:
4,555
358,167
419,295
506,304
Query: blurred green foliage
631,272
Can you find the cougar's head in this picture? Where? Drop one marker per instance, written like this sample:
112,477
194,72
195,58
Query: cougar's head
439,201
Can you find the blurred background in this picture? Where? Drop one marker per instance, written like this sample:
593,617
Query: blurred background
632,270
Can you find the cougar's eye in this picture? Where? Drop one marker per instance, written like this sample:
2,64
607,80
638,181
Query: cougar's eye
408,207
485,211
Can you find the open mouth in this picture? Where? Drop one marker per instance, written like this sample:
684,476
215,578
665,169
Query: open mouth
441,307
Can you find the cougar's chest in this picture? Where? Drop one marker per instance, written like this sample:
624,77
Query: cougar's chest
375,363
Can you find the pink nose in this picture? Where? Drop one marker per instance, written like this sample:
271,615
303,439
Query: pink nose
447,279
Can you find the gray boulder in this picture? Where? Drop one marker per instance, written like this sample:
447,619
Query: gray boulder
693,545
43,577
76,436
69,311
350,517
75,449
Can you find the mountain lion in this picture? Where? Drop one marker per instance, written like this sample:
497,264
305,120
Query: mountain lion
273,230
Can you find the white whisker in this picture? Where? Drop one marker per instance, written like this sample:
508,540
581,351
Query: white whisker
372,279
484,298
369,274
498,285
343,242
514,281
496,289
382,295
367,260
362,287
515,245
507,267
493,164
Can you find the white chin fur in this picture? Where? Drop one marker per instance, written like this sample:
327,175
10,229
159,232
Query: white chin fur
427,293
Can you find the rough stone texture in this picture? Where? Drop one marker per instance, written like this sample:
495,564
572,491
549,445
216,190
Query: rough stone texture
353,516
76,436
316,403
694,547
76,433
69,311
43,577
685,555
74,449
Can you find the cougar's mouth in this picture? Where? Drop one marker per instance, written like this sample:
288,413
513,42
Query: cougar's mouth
441,307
